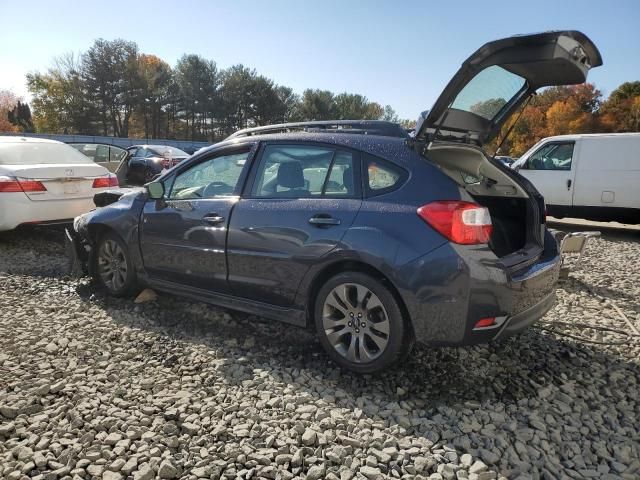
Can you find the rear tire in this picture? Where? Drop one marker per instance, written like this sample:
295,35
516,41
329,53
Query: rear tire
360,324
114,268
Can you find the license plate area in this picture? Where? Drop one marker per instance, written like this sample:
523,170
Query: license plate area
70,188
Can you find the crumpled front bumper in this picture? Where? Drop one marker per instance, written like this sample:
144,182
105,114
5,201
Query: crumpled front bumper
77,253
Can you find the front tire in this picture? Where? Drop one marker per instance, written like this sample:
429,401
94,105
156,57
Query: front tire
359,323
114,268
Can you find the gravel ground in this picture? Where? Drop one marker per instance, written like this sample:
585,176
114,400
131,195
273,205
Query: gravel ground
97,387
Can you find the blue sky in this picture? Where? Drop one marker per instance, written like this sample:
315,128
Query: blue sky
400,53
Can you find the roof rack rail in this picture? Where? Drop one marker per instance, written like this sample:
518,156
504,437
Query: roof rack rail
363,127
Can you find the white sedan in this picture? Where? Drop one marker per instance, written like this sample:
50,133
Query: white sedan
44,181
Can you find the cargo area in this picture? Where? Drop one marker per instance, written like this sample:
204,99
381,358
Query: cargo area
513,212
509,218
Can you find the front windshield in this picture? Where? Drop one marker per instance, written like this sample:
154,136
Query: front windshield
488,92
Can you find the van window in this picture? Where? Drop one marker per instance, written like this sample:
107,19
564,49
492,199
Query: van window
552,156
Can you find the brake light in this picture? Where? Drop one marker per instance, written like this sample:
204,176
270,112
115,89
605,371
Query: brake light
105,182
461,222
10,184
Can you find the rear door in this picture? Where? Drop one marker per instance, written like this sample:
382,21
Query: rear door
552,170
107,156
299,202
183,236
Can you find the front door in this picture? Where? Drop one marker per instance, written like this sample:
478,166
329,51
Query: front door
551,169
302,200
183,236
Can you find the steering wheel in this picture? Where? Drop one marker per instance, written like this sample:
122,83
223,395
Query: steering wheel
210,190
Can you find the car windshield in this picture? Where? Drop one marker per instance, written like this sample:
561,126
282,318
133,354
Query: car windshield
173,151
488,92
39,153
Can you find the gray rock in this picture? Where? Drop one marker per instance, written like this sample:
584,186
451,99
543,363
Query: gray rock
316,472
309,437
477,467
145,472
371,473
109,475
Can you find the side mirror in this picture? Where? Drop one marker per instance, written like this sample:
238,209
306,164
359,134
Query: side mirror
155,190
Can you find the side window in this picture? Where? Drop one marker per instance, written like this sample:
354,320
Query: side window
304,171
553,156
133,152
102,153
218,176
382,176
116,154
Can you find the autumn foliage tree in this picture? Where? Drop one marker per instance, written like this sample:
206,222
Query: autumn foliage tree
554,111
8,101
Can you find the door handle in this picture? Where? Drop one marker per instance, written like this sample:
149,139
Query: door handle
569,184
323,219
213,219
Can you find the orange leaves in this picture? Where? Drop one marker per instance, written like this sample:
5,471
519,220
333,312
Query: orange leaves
574,109
8,100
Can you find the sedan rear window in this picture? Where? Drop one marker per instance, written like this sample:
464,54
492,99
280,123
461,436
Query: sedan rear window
39,153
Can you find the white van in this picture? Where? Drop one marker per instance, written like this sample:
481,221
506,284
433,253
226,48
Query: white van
592,176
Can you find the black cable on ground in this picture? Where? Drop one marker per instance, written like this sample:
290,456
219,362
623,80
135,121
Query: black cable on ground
632,338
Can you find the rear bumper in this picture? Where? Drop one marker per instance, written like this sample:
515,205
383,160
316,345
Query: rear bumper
455,286
17,209
522,320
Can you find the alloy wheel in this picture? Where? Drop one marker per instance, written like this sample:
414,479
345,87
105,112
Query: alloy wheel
355,322
112,265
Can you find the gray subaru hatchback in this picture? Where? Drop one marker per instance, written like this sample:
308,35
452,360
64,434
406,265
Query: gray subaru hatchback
374,237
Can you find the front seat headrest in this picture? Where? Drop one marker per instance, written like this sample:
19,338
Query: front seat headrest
290,175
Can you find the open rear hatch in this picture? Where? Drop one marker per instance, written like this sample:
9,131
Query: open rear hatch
489,86
499,77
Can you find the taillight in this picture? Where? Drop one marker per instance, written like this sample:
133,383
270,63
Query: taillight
10,184
105,182
461,222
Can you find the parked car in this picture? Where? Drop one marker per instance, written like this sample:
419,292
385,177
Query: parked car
143,162
593,176
109,156
374,238
44,181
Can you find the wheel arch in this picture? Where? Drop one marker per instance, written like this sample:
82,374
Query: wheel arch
349,265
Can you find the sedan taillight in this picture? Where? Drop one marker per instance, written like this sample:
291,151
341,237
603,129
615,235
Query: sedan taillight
461,222
105,182
11,184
